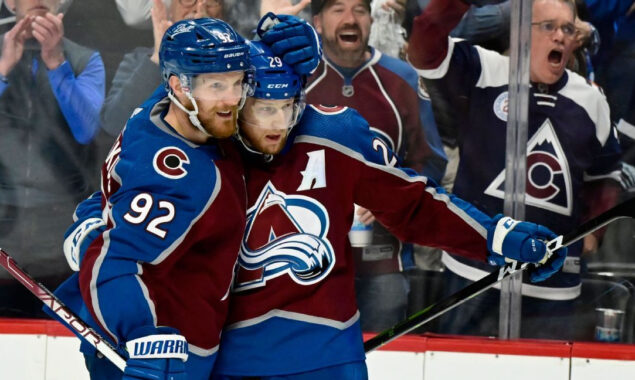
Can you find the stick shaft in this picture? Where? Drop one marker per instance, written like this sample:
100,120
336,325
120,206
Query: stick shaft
76,324
622,210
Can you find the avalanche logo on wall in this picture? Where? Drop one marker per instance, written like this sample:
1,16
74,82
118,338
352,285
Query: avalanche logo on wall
285,235
548,176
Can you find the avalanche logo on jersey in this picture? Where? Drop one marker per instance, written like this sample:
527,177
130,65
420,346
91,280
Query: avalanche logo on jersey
169,162
285,235
548,176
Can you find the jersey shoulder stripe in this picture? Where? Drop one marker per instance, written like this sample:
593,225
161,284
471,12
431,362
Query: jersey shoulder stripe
591,99
401,69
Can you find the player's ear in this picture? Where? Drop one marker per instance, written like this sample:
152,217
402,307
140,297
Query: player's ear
175,85
317,23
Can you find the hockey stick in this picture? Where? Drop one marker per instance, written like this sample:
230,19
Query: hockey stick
622,210
77,325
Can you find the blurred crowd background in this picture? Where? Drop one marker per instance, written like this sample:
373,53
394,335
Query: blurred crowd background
58,119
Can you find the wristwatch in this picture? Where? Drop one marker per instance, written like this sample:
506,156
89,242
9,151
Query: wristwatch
4,79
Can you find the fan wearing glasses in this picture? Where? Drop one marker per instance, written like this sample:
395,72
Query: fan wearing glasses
138,74
572,153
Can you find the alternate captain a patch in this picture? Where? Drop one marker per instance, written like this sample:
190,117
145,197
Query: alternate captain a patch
169,162
286,235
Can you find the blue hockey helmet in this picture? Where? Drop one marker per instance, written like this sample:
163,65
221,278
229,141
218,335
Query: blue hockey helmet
203,45
200,46
268,108
273,78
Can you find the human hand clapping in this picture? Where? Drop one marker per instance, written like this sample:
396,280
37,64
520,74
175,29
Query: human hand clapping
160,23
48,30
13,45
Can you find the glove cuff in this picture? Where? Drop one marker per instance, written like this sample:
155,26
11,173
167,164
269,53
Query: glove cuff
265,23
73,242
504,226
158,346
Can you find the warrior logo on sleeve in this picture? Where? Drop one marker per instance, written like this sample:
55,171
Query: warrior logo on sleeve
285,235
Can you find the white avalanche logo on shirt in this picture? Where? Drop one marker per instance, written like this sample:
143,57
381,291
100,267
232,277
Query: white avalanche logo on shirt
548,176
285,235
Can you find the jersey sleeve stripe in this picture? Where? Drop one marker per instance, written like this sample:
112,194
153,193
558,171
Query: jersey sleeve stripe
440,71
494,68
166,253
454,204
592,101
296,317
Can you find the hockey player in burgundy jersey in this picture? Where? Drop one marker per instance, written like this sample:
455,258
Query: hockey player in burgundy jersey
385,91
292,307
155,279
292,310
173,202
571,151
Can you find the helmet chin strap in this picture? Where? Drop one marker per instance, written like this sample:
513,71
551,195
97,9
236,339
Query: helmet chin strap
192,114
267,157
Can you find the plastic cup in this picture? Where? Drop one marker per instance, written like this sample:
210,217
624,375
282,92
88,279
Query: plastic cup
360,235
609,325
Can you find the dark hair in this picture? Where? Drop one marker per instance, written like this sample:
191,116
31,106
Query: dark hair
317,5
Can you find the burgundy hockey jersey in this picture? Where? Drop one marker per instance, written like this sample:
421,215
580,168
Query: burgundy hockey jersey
293,306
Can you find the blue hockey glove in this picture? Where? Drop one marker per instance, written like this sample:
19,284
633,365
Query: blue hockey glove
78,237
157,353
512,240
546,270
292,39
87,227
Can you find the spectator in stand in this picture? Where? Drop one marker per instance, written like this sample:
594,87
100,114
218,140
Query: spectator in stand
385,91
572,151
286,7
615,21
51,91
138,74
241,14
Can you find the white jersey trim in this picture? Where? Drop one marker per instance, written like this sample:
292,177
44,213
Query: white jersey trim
626,128
376,55
323,112
93,284
542,292
494,69
179,240
592,101
615,175
443,197
319,79
277,313
198,351
396,147
440,71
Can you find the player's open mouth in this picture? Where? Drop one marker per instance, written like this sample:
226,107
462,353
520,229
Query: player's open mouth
555,57
273,138
224,113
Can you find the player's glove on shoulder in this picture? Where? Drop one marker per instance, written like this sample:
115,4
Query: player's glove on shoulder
292,39
512,240
157,353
